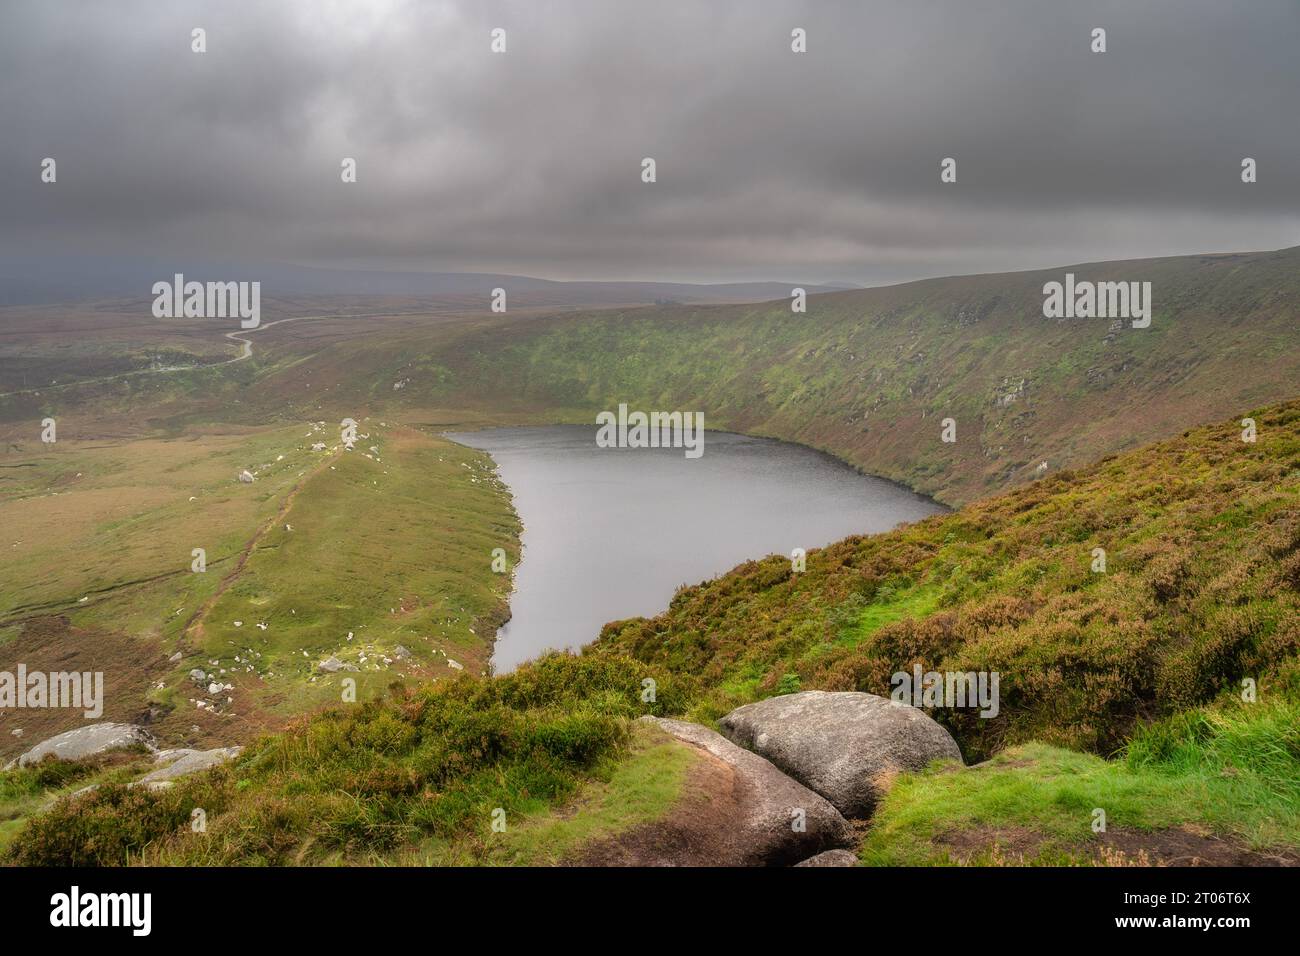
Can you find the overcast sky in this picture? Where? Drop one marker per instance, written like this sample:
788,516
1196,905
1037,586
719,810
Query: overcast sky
820,166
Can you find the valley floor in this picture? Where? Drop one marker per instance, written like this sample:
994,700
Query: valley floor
287,579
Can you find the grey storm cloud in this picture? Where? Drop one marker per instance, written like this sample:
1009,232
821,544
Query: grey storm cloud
817,166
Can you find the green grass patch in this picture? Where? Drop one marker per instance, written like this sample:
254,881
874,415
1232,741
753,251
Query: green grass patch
1233,771
371,781
888,606
638,789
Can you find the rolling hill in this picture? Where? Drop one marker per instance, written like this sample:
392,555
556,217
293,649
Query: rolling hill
867,375
870,375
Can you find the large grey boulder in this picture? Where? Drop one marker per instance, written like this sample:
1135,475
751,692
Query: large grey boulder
86,742
844,745
773,820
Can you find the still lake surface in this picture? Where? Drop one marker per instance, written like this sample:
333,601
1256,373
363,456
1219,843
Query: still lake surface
611,533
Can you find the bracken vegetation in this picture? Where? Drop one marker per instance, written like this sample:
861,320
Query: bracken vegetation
356,783
1201,589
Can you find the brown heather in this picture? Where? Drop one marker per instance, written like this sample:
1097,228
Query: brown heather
1202,587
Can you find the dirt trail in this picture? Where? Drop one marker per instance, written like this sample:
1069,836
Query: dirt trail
194,626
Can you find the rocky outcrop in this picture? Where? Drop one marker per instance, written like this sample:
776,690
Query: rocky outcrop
86,742
844,745
332,665
180,763
763,818
831,858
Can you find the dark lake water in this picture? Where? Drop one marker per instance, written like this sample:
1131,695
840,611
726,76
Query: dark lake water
611,533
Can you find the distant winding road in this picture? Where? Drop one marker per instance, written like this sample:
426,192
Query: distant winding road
245,352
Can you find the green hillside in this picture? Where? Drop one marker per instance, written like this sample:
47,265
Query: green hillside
1121,686
1201,589
870,375
1120,689
867,375
325,554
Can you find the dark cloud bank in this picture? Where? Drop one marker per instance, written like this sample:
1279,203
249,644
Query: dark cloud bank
816,167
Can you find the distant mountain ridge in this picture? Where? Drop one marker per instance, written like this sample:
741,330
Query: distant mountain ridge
870,375
28,280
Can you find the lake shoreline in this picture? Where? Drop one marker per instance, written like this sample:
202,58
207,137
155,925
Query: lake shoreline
792,494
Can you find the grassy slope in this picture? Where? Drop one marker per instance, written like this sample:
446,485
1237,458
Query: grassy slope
123,512
869,375
1143,662
640,787
427,511
414,777
112,588
1231,771
1085,658
1201,534
1140,664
